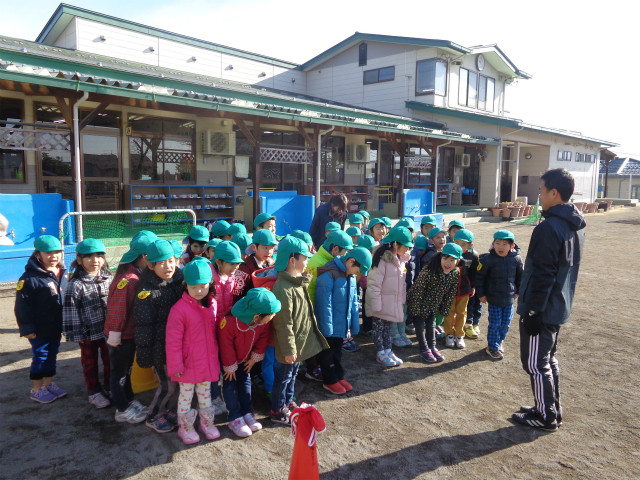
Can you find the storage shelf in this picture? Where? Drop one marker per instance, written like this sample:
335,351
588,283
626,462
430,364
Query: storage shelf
357,195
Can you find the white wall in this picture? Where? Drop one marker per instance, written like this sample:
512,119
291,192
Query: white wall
68,38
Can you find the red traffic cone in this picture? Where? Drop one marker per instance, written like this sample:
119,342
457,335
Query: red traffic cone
306,423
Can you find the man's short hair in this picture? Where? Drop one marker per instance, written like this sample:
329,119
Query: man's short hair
561,180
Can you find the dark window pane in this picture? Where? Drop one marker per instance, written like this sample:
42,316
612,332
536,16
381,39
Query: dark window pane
104,119
100,156
56,164
101,196
371,76
386,74
63,187
12,165
144,155
362,54
11,109
425,81
49,114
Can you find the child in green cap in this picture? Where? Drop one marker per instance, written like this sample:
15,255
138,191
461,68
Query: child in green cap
262,246
226,261
197,241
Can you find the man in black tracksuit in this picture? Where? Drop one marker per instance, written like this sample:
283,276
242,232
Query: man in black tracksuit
546,294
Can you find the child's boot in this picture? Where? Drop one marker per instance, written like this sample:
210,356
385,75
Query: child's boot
207,425
186,430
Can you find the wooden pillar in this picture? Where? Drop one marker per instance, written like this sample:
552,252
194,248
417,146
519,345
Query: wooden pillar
401,184
257,169
317,155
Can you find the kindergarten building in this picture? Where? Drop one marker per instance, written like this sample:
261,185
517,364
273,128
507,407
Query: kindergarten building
157,119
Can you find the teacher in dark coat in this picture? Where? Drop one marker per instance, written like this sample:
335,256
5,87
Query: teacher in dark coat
335,210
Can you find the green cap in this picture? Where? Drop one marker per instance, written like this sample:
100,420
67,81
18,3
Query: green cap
198,233
456,223
332,227
263,237
364,213
434,231
220,229
242,240
387,221
356,218
228,252
452,250
401,235
366,241
261,218
257,301
47,243
159,251
90,245
376,221
138,245
177,247
504,235
406,222
421,242
428,220
354,232
464,235
304,236
287,247
197,271
236,228
339,238
362,256
214,242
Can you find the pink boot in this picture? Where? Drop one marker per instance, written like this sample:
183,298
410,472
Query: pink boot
207,426
186,431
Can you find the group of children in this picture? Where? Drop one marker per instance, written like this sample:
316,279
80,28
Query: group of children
230,310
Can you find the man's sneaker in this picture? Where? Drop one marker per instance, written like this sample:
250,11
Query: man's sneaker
56,390
535,420
476,328
281,417
395,358
160,424
528,409
410,329
350,346
438,356
315,374
495,354
459,342
252,423
450,341
501,347
427,356
385,360
469,332
130,415
42,395
98,400
219,406
335,388
346,385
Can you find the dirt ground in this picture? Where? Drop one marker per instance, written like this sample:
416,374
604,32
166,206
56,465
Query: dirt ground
450,420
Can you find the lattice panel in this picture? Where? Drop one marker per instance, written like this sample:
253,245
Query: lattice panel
18,139
168,156
285,155
417,161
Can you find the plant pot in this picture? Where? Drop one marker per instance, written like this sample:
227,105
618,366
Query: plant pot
497,212
529,210
516,212
503,205
592,207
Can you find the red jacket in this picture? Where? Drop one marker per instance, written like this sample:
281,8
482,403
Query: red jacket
191,344
120,304
242,277
224,294
239,342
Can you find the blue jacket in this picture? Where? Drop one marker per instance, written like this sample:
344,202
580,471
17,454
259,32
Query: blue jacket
498,278
336,304
552,264
320,219
39,297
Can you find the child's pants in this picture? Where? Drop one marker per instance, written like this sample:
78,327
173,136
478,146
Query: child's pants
457,317
237,394
425,332
331,361
121,362
89,350
367,322
499,322
381,334
44,354
166,396
202,389
398,328
283,385
268,368
474,310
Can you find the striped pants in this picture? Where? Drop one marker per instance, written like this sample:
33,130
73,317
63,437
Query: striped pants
538,356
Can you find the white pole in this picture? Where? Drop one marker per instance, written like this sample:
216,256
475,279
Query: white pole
77,160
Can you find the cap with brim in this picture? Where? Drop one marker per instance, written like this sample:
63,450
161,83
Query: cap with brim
340,238
47,243
356,218
387,221
366,241
428,220
236,228
504,235
374,222
435,231
214,242
406,222
159,251
139,245
362,256
257,301
197,271
332,227
400,235
242,240
177,247
452,250
228,252
263,237
354,232
286,248
220,229
364,213
90,245
421,242
198,233
304,236
464,235
456,223
261,218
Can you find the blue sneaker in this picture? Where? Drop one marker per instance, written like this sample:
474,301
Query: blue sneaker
350,346
160,424
56,390
42,395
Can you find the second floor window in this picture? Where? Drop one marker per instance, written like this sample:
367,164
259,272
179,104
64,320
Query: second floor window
476,91
564,156
385,74
431,77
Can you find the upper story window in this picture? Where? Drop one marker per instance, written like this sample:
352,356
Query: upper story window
385,74
476,91
431,77
362,55
564,156
585,157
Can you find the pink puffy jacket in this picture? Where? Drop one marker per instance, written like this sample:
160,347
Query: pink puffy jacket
386,288
191,343
224,294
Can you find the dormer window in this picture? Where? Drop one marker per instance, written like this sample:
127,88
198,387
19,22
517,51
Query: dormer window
431,77
476,91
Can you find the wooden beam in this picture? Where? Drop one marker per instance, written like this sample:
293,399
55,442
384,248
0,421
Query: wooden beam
325,137
92,115
245,131
65,109
304,134
395,145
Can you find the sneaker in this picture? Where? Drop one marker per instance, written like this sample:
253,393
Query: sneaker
438,356
335,388
469,332
395,358
533,410
138,406
350,346
56,390
405,339
252,423
495,354
501,347
219,405
450,341
172,418
281,417
385,360
346,385
410,329
439,334
98,400
130,415
160,424
397,341
240,428
459,342
315,374
476,328
42,395
427,356
535,420
292,406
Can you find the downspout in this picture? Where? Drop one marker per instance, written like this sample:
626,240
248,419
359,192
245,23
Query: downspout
435,179
319,163
76,157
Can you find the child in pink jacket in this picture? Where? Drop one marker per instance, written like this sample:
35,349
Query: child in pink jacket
192,351
227,259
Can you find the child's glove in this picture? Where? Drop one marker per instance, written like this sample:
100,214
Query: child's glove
532,323
115,339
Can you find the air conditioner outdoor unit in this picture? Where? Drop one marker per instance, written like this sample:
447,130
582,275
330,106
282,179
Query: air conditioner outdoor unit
463,160
358,153
218,143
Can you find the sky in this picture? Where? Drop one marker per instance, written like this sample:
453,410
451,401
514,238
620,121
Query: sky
579,53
